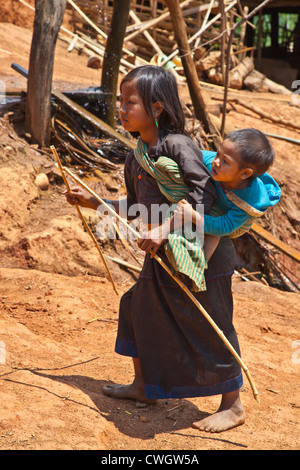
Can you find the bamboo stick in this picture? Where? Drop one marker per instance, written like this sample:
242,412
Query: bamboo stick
252,276
146,34
211,22
99,49
191,73
179,282
83,219
86,18
91,23
124,263
148,24
205,21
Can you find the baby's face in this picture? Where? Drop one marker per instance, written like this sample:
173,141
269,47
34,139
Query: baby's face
227,166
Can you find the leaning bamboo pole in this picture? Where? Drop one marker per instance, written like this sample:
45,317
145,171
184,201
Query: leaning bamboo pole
83,219
178,281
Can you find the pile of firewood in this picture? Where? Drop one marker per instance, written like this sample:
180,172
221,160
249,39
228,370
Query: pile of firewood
242,73
150,39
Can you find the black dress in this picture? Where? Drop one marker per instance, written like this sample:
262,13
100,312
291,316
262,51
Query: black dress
180,354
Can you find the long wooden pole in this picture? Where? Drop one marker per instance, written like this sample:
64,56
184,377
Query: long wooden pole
179,282
231,36
82,218
191,72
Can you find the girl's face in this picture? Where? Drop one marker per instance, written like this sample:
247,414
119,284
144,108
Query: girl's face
133,114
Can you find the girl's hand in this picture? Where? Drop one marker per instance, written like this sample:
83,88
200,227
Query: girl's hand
151,241
81,197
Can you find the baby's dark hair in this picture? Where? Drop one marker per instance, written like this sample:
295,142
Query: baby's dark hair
254,149
157,84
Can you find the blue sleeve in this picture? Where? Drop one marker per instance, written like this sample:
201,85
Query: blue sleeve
208,157
225,224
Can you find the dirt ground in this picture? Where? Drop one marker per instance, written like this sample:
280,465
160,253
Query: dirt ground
58,315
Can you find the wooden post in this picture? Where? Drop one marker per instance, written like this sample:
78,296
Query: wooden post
191,72
259,39
47,22
112,58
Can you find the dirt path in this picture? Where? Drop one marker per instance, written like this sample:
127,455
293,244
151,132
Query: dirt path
58,311
58,361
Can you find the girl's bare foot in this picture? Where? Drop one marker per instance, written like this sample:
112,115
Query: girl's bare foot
230,415
132,392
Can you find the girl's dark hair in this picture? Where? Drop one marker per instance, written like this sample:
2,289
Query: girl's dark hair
254,149
157,84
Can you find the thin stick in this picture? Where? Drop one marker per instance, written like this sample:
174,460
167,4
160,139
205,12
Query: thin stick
231,36
82,218
150,23
124,263
87,19
201,30
207,15
91,23
146,34
181,284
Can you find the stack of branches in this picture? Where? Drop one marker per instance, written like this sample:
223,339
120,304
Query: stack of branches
150,39
261,261
84,147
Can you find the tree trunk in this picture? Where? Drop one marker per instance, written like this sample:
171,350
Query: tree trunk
47,22
190,71
112,58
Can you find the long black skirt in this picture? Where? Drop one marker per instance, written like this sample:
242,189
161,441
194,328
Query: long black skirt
181,355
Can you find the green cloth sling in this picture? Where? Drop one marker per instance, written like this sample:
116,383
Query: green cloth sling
171,183
184,253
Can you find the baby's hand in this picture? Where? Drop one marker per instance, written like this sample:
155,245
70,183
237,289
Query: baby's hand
184,211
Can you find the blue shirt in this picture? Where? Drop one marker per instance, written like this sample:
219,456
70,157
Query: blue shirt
241,205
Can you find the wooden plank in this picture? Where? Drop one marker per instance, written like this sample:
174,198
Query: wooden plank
288,250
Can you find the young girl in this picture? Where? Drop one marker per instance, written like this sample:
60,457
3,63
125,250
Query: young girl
176,353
